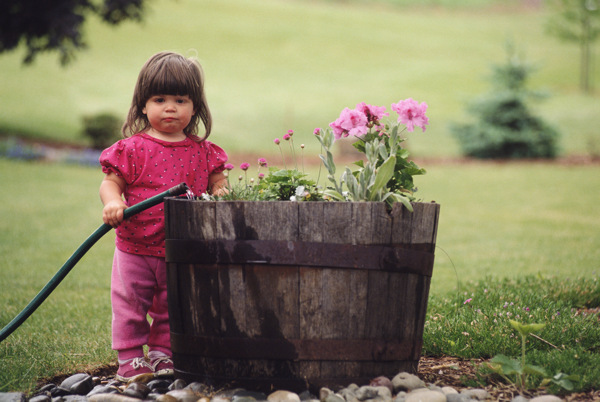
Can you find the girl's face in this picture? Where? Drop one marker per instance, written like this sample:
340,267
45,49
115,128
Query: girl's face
169,115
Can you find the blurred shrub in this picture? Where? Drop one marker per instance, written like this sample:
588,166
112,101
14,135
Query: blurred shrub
102,129
505,126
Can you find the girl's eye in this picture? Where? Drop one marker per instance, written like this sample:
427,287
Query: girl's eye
159,100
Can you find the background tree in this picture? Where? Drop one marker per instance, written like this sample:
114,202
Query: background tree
505,126
578,21
55,25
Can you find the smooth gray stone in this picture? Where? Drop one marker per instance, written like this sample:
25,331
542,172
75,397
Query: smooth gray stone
476,393
40,398
407,382
137,390
103,389
12,397
546,398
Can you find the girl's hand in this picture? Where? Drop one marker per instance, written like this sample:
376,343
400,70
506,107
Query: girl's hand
112,214
218,185
220,191
111,191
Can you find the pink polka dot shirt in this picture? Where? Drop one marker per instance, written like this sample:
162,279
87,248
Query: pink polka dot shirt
149,167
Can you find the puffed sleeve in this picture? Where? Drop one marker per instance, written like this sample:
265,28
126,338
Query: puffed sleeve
119,159
216,157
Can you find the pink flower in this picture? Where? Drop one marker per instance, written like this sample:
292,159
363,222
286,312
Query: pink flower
286,137
276,141
373,113
469,300
317,131
261,176
350,122
290,132
411,113
262,162
228,166
244,166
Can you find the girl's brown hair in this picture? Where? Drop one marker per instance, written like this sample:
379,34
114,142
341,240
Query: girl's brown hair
168,73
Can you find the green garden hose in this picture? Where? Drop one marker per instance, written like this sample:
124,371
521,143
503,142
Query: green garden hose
85,246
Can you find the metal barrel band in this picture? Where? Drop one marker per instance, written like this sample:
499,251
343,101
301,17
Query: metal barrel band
366,350
409,258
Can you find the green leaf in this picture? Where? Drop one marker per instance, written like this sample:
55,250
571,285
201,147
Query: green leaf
565,381
507,366
352,184
383,175
535,370
399,198
334,194
526,329
383,152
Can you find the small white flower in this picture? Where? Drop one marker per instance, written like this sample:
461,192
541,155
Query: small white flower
205,197
299,191
293,198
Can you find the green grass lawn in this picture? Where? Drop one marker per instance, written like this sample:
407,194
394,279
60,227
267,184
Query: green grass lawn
275,65
497,221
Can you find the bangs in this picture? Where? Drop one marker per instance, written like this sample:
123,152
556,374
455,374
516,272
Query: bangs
172,77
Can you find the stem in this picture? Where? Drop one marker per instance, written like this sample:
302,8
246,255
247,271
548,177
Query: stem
522,376
320,167
282,157
293,152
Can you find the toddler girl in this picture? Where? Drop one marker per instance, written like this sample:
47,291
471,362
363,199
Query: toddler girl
161,149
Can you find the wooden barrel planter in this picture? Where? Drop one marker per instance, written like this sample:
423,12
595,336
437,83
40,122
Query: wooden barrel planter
297,295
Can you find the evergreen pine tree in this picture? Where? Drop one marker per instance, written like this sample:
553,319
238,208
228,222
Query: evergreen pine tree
505,126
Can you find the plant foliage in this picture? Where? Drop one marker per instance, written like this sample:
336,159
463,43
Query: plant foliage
102,129
505,126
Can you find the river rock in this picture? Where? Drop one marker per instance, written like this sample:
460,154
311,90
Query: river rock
334,398
71,398
166,398
111,398
407,382
184,395
159,386
137,390
103,389
283,396
382,381
12,397
546,398
457,398
41,398
249,396
475,393
177,384
307,396
79,384
368,392
425,395
201,388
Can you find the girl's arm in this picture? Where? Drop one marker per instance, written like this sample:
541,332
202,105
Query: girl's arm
217,184
111,192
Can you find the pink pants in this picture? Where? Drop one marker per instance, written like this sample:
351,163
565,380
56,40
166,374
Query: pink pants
138,289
